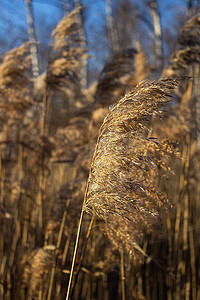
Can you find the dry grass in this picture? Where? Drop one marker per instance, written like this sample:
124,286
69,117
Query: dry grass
35,271
43,176
128,161
63,72
115,78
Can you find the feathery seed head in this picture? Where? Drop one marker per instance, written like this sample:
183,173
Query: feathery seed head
122,187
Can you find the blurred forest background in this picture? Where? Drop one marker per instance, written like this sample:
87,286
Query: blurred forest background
63,63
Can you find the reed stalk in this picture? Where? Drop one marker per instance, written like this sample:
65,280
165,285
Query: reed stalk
123,276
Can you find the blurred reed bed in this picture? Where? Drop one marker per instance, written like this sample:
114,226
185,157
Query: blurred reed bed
144,243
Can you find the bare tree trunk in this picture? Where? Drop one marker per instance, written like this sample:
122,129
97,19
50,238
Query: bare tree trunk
33,42
83,44
190,6
158,54
112,33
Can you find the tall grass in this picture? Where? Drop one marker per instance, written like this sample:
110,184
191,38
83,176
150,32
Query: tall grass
135,175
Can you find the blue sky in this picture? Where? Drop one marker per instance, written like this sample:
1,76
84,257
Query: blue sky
47,13
13,14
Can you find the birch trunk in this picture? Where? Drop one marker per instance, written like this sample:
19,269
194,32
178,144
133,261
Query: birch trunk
158,53
112,33
83,45
32,38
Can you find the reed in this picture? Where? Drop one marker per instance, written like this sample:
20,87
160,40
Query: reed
145,220
122,186
117,76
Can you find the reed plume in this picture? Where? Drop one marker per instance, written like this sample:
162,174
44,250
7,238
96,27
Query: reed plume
180,122
181,59
188,50
15,68
116,77
63,72
66,27
15,84
122,186
36,268
189,34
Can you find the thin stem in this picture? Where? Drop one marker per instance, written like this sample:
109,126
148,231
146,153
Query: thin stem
82,255
79,225
75,252
53,271
122,276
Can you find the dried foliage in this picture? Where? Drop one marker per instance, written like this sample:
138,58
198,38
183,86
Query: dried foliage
182,59
67,27
142,69
180,122
71,138
126,162
115,78
44,171
189,34
37,266
188,51
63,72
15,83
72,193
15,68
